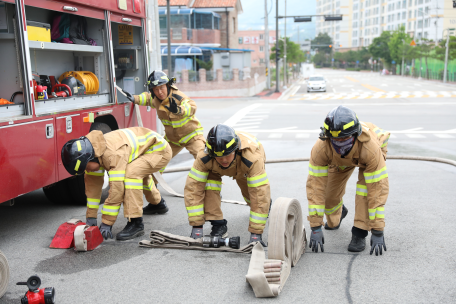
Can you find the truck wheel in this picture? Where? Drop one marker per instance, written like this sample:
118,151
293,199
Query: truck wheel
4,274
58,192
76,184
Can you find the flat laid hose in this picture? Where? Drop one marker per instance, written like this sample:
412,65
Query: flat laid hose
4,274
287,242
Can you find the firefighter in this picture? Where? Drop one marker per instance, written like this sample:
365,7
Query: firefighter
177,113
228,153
346,143
130,156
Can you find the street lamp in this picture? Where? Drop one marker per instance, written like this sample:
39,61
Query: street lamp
447,45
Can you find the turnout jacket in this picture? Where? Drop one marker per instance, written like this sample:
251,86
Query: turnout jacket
180,127
369,154
115,150
247,168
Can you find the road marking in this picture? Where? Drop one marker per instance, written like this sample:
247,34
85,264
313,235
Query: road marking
372,88
256,116
352,79
444,136
240,114
302,135
275,135
415,135
241,124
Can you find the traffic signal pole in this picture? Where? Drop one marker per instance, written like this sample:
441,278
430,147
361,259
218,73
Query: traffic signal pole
277,46
266,44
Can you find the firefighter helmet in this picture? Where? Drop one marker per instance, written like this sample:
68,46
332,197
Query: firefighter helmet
221,141
341,122
76,153
158,78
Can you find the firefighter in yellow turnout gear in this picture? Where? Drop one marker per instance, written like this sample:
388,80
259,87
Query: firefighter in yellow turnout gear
177,113
344,144
228,153
129,156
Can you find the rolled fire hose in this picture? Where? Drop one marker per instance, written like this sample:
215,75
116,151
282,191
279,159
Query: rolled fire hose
80,242
160,239
4,274
287,242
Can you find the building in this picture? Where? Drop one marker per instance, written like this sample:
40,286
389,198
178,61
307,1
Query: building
254,40
364,20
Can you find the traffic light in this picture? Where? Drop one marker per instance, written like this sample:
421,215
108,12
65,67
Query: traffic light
278,53
340,45
330,46
302,19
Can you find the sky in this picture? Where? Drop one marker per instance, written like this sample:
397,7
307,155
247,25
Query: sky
253,17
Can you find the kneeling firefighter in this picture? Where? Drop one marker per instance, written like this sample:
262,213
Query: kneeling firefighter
130,156
228,153
177,113
351,144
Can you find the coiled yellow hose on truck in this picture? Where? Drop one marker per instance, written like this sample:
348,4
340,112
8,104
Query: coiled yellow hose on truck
89,80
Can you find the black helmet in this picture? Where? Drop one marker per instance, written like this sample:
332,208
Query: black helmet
76,153
158,78
76,87
221,141
341,122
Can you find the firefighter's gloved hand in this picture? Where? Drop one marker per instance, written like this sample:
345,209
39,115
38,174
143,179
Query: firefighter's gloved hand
173,108
377,242
257,238
316,237
91,221
106,231
197,232
129,96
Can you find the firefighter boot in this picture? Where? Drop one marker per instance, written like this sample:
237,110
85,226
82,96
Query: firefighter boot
160,208
197,232
134,228
358,241
219,228
343,215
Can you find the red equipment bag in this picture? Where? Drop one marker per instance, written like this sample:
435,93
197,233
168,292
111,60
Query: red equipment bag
76,233
64,237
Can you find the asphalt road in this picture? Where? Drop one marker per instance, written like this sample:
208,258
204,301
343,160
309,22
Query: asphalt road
418,267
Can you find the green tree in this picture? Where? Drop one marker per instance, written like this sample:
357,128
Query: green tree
380,49
294,53
204,65
319,58
396,42
322,42
440,49
425,49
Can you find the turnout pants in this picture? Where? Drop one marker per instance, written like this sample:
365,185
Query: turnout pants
335,190
138,180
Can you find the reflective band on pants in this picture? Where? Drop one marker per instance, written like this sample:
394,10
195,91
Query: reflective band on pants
110,210
93,203
377,213
331,211
186,138
213,185
198,175
116,176
316,210
131,183
318,171
150,186
258,217
195,210
361,190
100,172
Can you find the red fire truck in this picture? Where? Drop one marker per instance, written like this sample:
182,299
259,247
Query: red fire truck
33,129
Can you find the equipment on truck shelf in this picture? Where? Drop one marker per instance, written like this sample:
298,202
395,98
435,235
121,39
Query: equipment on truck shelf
77,87
88,79
35,295
63,91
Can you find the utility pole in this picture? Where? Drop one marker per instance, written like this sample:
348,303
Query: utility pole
285,50
277,46
403,49
447,45
168,25
266,44
421,42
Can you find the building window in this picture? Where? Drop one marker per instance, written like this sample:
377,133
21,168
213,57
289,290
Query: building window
261,60
261,48
398,16
261,37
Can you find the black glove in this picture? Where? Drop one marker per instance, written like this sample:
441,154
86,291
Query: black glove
257,238
316,237
173,108
377,242
91,221
106,231
129,96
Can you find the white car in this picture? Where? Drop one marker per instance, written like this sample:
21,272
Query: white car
316,83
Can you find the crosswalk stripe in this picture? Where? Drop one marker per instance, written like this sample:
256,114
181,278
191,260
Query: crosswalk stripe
275,135
302,135
444,136
415,135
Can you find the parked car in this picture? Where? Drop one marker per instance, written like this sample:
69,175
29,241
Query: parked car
316,83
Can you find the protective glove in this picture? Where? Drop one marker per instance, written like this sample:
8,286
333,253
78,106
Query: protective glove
197,232
257,238
316,237
377,242
106,231
173,108
129,96
91,221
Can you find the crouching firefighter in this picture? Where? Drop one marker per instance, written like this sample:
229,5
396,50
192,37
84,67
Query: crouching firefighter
129,156
346,143
228,153
177,113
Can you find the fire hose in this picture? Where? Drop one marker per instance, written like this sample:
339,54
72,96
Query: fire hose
4,274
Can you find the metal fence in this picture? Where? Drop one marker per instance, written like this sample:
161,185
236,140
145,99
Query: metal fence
211,75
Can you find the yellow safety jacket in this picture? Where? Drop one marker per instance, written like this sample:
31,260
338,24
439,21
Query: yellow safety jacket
180,127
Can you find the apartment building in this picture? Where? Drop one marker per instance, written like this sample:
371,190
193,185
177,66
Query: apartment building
254,40
364,20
